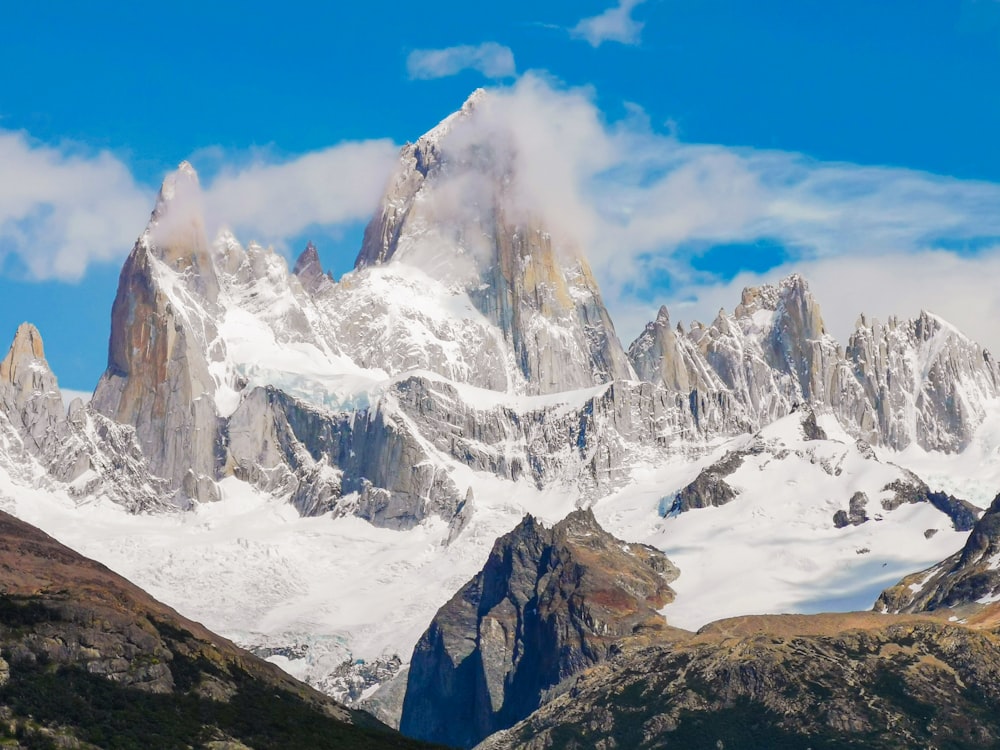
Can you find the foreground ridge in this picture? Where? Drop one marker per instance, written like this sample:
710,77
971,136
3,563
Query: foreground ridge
88,659
857,680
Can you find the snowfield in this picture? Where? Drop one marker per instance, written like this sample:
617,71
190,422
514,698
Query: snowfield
319,591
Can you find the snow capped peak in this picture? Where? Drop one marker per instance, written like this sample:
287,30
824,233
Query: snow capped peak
453,211
180,183
929,324
476,98
770,296
308,262
433,138
185,168
176,232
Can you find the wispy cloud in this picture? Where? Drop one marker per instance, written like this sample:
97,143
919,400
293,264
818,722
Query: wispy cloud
269,201
641,204
613,25
644,204
489,58
64,208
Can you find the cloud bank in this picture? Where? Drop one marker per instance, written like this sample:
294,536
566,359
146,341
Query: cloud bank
64,208
613,25
646,206
643,206
493,60
269,201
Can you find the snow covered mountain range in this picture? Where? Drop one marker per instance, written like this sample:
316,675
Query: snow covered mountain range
312,466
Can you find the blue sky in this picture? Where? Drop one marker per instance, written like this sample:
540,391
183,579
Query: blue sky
714,143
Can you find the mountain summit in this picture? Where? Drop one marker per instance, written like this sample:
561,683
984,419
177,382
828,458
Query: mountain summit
455,209
163,337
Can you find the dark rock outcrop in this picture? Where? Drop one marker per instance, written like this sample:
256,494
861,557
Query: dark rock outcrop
855,515
969,579
912,489
548,604
709,489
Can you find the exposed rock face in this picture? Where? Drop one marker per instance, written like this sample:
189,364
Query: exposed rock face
773,352
536,287
855,515
28,390
911,489
823,681
925,381
548,604
969,579
661,354
79,641
41,442
309,270
917,381
592,441
709,489
286,446
163,339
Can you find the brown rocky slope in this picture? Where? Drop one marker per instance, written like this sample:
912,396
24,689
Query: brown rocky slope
89,660
858,680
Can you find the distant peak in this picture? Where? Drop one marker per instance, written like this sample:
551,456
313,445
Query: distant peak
307,257
794,281
26,348
28,337
308,266
432,138
770,296
928,323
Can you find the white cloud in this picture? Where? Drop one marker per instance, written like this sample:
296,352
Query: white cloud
961,289
270,201
489,58
643,204
62,208
613,25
